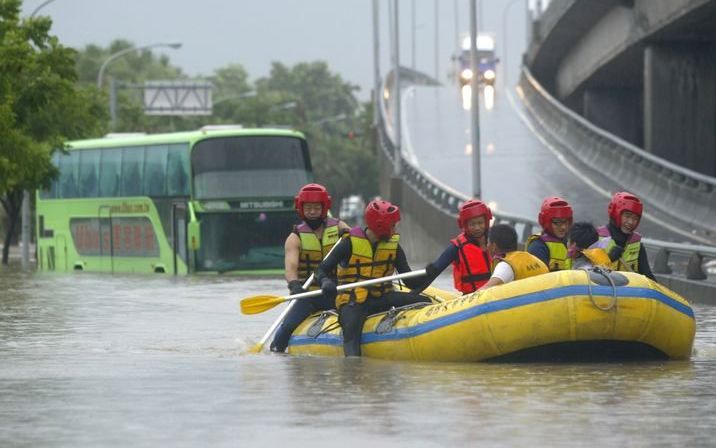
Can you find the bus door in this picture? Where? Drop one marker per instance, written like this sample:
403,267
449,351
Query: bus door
106,243
179,247
60,252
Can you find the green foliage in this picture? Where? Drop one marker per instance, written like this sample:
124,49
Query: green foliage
326,110
40,104
306,96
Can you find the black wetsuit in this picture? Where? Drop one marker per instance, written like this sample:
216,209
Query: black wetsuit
352,315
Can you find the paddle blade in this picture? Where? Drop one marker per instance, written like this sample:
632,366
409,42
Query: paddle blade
257,348
259,304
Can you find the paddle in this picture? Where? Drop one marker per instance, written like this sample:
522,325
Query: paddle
259,304
260,345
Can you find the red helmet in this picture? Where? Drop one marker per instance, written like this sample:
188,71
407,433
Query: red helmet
312,193
621,202
554,207
473,208
380,216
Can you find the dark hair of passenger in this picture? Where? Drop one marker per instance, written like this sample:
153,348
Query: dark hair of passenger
583,234
504,237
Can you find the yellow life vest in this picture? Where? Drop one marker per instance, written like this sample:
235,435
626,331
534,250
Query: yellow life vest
366,264
629,260
524,264
558,257
314,251
598,257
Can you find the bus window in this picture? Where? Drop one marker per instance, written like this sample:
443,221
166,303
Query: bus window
155,170
132,171
110,172
89,173
69,165
255,166
54,187
178,170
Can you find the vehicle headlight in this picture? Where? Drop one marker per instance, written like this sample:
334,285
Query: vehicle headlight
489,74
466,74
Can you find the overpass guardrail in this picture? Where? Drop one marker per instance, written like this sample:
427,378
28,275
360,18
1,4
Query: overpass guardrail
672,189
691,261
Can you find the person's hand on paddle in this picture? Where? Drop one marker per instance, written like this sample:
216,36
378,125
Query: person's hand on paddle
432,271
295,287
328,288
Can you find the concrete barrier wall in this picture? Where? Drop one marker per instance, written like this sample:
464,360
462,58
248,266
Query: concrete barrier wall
683,194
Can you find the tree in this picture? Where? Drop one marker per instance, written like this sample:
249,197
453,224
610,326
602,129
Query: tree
327,111
40,107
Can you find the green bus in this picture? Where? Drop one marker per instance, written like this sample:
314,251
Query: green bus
213,200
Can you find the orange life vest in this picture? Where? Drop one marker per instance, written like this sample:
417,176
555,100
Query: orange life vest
472,269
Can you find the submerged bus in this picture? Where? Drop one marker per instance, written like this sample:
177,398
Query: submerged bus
204,201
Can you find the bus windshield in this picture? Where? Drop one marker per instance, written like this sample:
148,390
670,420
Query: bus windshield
249,167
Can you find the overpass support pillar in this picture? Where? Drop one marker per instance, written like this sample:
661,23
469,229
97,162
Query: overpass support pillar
680,104
616,110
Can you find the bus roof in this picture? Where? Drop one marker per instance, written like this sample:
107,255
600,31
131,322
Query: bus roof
177,137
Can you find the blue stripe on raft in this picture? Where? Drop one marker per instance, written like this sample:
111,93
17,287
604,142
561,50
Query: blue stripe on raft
501,305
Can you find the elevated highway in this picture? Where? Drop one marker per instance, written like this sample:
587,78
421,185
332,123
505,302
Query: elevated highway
532,146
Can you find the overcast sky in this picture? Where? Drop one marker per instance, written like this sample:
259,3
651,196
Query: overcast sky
254,33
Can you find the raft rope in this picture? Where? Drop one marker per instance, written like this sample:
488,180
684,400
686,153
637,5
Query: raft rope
606,275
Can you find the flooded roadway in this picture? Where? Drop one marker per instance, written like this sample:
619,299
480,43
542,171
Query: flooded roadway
95,360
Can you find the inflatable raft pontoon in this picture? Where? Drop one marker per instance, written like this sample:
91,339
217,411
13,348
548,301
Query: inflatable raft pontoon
566,315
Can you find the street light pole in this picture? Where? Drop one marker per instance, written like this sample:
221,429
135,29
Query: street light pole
25,210
396,89
475,105
121,53
42,5
437,41
377,93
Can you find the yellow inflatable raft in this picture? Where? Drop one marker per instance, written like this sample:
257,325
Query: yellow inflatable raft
566,315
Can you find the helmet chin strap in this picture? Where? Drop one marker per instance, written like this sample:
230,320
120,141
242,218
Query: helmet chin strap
314,223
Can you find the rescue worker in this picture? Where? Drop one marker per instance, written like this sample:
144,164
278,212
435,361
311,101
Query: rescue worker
305,248
512,264
555,217
581,236
467,252
620,239
367,253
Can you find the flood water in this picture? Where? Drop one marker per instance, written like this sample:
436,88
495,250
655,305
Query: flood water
97,360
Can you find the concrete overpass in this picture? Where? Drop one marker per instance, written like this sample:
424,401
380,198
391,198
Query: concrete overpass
643,70
533,146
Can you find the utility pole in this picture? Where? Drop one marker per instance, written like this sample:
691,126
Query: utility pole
377,93
412,18
437,41
396,89
475,105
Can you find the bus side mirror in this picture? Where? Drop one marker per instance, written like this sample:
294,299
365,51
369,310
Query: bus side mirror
194,235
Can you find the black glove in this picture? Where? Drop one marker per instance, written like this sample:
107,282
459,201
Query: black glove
295,287
616,252
328,288
431,270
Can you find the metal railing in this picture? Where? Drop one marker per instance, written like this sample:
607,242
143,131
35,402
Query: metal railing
674,190
448,200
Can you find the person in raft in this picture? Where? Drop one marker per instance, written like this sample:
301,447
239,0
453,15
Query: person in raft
467,252
305,248
512,264
620,239
367,253
555,217
581,236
